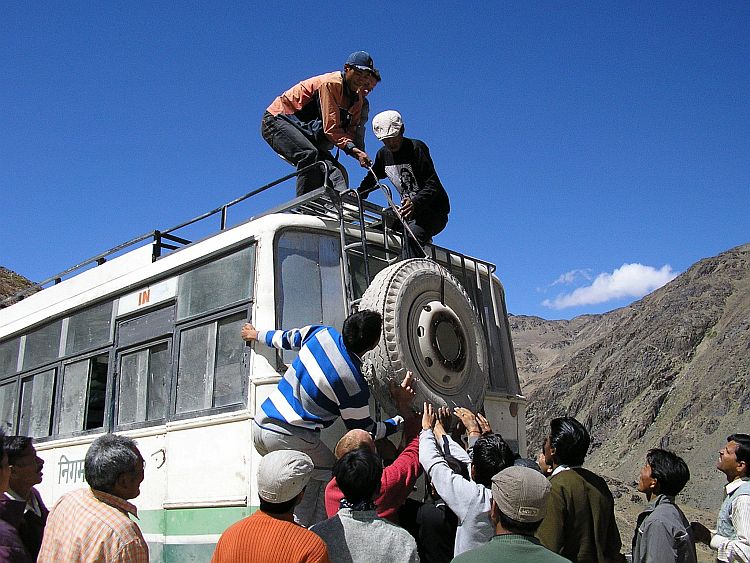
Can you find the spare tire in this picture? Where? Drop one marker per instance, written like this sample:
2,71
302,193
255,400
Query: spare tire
429,328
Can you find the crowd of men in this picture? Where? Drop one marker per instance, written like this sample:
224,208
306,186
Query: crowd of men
485,503
355,503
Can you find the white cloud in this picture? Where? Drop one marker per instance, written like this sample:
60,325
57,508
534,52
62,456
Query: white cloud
629,280
569,277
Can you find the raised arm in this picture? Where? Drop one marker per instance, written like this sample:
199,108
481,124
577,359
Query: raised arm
281,339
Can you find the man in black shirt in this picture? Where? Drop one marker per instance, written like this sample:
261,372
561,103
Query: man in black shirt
407,164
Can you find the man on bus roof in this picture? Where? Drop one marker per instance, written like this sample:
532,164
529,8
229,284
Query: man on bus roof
304,123
323,383
408,165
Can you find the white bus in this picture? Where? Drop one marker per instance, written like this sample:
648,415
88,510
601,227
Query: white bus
146,343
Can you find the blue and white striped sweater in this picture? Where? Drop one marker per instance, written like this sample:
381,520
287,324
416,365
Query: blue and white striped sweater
324,382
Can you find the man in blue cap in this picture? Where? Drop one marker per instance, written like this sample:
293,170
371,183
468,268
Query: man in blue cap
304,123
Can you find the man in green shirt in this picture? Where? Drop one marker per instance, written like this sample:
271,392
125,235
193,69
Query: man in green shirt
519,502
580,522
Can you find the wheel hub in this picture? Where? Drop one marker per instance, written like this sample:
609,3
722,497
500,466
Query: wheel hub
441,345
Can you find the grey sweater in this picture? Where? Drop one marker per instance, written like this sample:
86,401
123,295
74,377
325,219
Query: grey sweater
468,500
362,537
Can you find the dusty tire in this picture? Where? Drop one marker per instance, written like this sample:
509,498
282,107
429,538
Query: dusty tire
443,344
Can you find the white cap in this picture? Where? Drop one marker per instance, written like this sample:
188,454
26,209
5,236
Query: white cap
387,124
283,474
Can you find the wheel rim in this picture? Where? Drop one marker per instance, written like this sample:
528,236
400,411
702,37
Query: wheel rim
439,344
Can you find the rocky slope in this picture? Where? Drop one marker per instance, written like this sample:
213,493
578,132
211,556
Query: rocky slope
10,283
670,370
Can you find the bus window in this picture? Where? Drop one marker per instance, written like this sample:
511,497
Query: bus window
37,392
8,406
42,345
209,372
143,379
9,357
83,391
309,288
216,284
89,329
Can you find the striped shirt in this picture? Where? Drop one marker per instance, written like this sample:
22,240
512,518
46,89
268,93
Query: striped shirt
88,525
736,548
324,382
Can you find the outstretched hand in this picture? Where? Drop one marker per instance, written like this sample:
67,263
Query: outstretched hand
249,333
484,424
428,416
468,419
403,394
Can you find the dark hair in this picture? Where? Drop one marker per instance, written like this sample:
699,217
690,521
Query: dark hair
109,456
278,507
361,331
669,470
516,527
2,444
570,440
15,446
491,454
527,462
743,449
358,475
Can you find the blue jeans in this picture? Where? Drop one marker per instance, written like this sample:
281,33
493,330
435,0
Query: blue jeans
296,148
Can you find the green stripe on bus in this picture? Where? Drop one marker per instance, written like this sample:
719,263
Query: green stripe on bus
191,521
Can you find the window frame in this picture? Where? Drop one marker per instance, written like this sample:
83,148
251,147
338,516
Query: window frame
117,427
182,326
106,423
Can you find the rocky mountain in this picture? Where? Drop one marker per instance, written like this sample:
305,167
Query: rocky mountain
11,283
671,370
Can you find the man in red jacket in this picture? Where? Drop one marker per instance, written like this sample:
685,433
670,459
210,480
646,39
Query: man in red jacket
398,478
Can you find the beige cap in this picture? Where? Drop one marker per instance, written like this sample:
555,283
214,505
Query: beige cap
521,493
387,124
283,474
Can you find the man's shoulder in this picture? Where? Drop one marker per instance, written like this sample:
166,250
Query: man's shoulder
514,546
327,77
260,523
665,513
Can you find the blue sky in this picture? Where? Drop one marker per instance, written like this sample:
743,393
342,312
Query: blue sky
592,151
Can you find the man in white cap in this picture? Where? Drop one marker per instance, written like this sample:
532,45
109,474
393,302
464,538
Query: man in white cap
304,123
408,165
519,502
271,534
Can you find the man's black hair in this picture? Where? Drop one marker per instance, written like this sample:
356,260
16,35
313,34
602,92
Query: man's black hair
669,470
358,475
743,449
516,527
527,462
278,507
16,446
570,440
491,454
361,331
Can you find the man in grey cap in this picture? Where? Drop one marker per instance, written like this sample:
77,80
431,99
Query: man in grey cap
271,534
519,502
304,123
408,165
